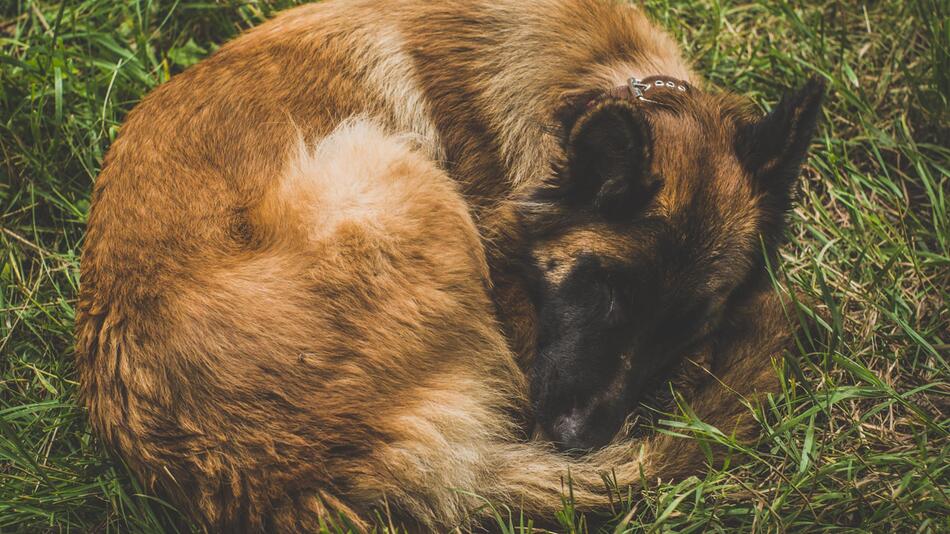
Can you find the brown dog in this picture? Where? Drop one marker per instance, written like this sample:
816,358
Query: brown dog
297,250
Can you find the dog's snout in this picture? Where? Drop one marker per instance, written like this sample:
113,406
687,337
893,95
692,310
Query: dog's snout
581,428
568,430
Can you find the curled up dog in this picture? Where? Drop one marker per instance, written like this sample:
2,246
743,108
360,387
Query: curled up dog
345,259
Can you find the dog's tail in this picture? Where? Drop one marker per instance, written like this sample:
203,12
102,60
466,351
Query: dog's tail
534,478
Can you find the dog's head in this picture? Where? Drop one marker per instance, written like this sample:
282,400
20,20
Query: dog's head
652,227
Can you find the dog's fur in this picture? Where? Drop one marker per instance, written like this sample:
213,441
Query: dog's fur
300,290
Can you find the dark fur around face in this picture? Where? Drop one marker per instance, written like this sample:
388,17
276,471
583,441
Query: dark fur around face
651,231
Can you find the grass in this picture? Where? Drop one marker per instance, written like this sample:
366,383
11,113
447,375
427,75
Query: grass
857,442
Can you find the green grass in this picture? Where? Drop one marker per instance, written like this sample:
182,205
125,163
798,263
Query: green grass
857,442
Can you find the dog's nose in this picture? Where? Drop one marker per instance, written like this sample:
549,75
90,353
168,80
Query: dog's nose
569,432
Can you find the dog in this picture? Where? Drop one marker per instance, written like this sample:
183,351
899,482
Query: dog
342,261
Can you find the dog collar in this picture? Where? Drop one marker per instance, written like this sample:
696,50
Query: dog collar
640,89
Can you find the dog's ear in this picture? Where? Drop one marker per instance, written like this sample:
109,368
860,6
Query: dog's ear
608,149
774,147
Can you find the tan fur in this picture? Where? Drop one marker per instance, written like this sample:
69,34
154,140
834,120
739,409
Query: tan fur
296,253
557,255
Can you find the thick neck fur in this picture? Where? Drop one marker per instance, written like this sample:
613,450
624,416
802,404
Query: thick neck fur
545,51
519,61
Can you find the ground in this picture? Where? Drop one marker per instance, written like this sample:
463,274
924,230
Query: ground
858,441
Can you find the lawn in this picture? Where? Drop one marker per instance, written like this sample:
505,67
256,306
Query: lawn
857,442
